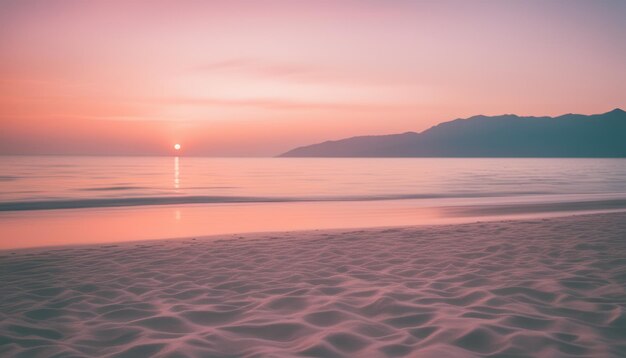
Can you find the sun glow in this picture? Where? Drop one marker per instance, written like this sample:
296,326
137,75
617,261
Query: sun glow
177,146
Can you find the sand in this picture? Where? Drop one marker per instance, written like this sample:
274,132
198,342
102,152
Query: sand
533,288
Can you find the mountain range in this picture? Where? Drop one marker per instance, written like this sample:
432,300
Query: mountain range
509,135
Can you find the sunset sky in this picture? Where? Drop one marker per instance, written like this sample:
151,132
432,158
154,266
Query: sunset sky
257,78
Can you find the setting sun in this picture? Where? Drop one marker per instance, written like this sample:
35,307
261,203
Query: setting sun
177,146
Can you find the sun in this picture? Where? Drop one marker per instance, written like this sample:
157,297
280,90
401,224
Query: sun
177,146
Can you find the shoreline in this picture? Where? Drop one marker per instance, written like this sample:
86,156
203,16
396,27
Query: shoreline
70,227
523,288
539,216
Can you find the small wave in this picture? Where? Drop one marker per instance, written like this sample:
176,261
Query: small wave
112,188
8,177
528,208
204,199
452,210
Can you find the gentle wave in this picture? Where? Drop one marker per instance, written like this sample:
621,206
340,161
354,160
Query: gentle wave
8,177
113,188
543,207
547,204
204,199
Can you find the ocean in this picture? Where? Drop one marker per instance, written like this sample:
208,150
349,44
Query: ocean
60,200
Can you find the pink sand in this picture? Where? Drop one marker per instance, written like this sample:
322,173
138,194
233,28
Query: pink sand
534,288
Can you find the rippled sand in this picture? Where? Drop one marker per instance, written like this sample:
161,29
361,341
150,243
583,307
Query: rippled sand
541,288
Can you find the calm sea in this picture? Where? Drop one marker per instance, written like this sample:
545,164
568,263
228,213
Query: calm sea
68,200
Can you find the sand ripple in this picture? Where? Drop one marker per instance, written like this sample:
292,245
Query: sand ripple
542,288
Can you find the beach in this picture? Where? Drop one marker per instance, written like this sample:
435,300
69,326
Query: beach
526,288
269,179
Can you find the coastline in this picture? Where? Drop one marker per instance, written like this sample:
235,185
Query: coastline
540,287
69,227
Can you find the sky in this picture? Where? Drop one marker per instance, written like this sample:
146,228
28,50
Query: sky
257,78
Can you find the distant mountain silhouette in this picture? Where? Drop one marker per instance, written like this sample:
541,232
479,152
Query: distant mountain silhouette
570,135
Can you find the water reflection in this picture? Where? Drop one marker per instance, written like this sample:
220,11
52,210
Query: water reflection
64,227
176,173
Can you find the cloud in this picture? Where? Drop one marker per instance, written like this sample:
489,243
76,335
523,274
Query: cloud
273,104
339,74
255,67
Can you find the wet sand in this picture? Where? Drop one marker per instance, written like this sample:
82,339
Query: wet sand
529,288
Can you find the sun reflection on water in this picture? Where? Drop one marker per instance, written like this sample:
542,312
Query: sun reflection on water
176,173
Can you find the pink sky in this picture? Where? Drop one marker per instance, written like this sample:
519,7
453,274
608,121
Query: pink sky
260,77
